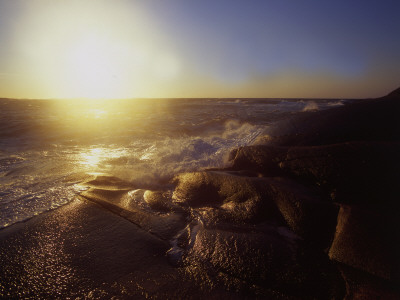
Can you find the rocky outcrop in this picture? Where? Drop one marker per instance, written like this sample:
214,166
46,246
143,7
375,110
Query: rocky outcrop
394,94
332,176
350,156
265,258
259,234
360,120
311,214
218,197
350,172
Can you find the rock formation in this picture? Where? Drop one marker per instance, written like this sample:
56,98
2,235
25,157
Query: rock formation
310,214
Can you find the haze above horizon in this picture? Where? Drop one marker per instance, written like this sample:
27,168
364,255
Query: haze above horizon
176,49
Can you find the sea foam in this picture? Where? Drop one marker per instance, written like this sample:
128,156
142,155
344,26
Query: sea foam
47,147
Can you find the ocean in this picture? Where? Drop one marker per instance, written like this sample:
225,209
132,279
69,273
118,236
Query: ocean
48,146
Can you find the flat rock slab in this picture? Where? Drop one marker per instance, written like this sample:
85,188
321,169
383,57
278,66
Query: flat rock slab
82,250
164,226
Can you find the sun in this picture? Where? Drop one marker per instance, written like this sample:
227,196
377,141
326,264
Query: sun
93,50
96,67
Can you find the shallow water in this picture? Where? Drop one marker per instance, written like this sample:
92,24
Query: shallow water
48,146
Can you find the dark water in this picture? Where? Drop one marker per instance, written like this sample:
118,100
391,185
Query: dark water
45,145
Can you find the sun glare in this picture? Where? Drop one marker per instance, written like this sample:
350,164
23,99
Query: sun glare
94,50
92,157
95,67
100,157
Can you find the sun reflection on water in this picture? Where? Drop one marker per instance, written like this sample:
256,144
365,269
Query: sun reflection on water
101,157
92,157
97,113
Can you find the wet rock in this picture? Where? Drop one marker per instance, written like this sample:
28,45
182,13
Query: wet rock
356,172
345,157
262,257
361,285
366,239
351,172
260,158
158,200
362,120
112,196
260,227
306,212
131,205
82,251
220,197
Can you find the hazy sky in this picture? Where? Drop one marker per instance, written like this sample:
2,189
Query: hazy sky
184,48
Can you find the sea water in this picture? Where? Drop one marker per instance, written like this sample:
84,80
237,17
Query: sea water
48,146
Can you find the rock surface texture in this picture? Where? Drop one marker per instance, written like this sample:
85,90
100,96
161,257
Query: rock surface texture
310,214
348,159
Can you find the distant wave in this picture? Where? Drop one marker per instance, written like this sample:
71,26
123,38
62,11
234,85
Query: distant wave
311,106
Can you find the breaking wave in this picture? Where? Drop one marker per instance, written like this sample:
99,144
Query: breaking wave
47,147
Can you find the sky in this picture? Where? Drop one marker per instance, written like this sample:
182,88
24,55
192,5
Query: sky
183,48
